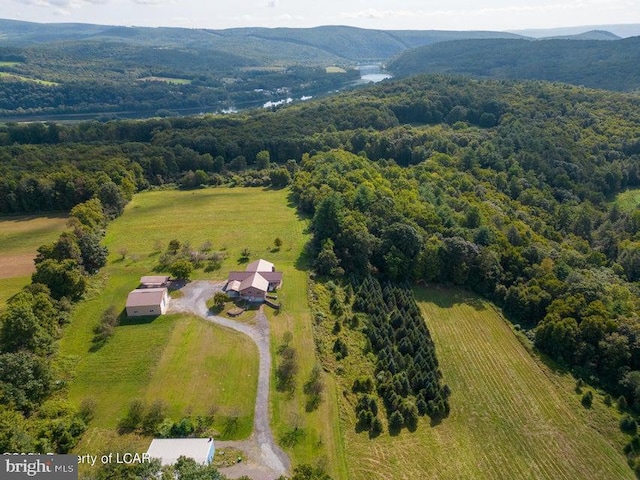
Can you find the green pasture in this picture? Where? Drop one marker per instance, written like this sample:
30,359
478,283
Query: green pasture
511,416
10,64
24,234
231,218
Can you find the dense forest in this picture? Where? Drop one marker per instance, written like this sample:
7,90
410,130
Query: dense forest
609,65
502,187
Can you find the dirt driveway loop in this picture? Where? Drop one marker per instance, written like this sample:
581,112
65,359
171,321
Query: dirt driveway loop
265,460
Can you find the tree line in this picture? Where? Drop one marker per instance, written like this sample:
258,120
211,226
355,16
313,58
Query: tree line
35,414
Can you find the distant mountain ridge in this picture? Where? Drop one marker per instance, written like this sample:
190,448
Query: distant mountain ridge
620,30
590,35
318,45
303,45
610,65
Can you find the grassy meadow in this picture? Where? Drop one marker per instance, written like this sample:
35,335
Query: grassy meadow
511,416
155,359
19,239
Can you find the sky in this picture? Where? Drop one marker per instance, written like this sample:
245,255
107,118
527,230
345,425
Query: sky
377,14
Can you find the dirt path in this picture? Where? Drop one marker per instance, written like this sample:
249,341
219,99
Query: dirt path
265,460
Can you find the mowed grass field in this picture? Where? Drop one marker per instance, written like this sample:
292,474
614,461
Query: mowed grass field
19,239
511,417
151,360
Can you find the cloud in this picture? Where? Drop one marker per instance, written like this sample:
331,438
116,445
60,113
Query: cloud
272,3
61,5
151,2
376,14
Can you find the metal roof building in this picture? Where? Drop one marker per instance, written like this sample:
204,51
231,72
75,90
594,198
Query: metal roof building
168,450
147,301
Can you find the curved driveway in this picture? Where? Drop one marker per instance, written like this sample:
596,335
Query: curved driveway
274,462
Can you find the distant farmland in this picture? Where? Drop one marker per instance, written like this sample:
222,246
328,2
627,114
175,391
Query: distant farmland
19,239
176,81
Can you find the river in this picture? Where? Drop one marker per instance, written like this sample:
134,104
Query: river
368,74
372,73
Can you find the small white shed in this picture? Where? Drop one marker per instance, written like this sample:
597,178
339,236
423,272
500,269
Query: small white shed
168,450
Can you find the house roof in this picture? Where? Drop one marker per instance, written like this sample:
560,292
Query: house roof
154,280
260,266
143,297
169,449
255,280
233,285
271,277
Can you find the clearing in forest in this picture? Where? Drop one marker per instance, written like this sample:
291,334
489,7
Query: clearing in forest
511,416
629,200
146,359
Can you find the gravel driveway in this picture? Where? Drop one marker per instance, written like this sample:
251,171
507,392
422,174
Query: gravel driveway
266,461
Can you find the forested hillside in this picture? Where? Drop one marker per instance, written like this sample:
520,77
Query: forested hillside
500,187
608,65
267,45
77,71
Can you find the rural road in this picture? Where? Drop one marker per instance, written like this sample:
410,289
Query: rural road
267,461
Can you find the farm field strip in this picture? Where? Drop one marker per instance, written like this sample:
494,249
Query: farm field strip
511,417
20,237
176,81
20,78
23,235
548,436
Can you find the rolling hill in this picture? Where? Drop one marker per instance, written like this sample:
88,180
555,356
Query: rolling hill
269,45
609,65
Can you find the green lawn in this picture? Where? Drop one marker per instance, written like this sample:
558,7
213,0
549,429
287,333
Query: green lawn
511,416
629,201
189,363
154,359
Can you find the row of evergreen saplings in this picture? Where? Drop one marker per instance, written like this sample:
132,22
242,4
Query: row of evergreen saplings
407,375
